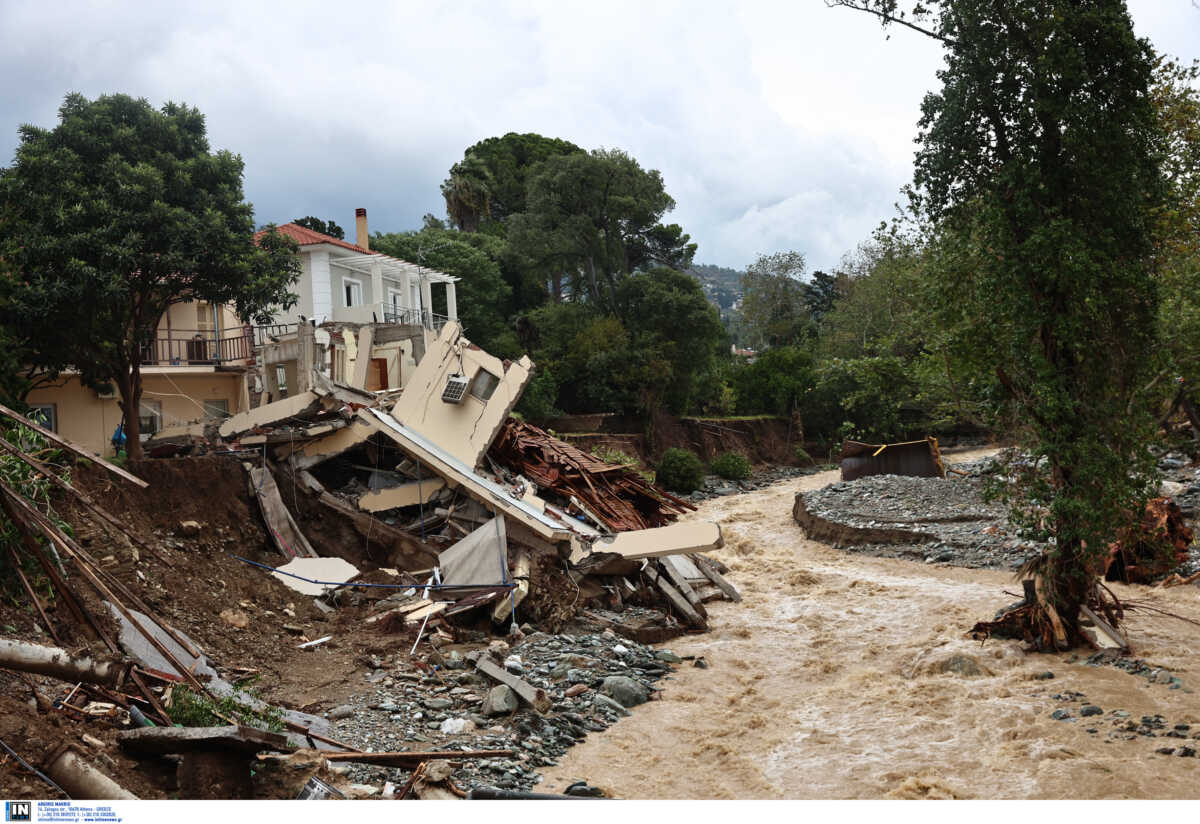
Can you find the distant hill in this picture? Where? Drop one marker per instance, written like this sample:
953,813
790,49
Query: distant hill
722,286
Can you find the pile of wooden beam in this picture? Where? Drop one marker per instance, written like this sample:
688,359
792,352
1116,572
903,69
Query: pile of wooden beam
614,495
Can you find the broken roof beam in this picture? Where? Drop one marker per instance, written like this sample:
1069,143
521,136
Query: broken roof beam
65,444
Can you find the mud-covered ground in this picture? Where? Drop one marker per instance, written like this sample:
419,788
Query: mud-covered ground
848,676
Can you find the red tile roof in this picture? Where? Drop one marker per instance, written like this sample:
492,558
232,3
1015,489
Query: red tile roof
307,237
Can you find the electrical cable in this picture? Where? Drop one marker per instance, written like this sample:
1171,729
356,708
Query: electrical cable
32,769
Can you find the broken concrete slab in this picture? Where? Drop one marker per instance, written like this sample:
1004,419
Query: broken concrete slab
676,539
410,494
174,740
305,403
315,569
457,473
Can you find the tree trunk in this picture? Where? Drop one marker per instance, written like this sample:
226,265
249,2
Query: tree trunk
129,384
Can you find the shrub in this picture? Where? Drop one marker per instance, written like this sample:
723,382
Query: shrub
802,456
732,466
613,456
680,470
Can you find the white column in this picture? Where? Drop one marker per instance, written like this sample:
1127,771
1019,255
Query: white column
426,300
451,302
377,295
322,287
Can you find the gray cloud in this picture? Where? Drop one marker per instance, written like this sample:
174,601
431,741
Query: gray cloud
776,125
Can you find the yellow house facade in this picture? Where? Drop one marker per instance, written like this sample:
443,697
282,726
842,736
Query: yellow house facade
194,370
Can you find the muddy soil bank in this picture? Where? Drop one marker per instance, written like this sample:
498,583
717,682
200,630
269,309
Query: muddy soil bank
846,676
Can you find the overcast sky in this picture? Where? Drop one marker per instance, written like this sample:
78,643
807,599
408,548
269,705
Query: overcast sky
776,125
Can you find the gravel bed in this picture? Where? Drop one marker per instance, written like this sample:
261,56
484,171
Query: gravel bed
591,679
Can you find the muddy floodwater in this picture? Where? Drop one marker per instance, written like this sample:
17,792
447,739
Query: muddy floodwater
829,681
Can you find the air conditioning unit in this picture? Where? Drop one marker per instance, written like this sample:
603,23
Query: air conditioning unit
108,393
456,389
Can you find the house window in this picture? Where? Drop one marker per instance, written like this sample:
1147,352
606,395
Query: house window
281,380
45,414
150,417
484,384
204,317
352,291
216,409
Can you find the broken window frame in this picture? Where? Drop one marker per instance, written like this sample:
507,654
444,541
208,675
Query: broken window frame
484,393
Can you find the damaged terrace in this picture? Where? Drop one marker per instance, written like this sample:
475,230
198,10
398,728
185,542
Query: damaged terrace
433,515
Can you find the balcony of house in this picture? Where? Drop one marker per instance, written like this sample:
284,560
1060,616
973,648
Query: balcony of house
199,348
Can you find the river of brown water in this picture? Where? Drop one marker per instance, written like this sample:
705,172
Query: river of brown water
824,683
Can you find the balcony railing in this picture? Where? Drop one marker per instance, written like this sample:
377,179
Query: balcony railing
198,347
415,317
273,333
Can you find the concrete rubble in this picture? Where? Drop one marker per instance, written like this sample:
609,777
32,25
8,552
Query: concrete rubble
447,525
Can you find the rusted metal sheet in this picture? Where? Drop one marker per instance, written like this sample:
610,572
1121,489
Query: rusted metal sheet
921,459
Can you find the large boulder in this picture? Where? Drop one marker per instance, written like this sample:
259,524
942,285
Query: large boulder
625,690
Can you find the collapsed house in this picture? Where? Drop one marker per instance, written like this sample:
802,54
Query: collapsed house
474,510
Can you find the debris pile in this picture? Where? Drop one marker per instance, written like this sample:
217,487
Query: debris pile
424,518
588,681
1153,547
615,496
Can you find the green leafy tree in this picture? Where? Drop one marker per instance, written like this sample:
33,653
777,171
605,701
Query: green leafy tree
777,383
112,216
821,295
1038,172
1177,105
325,227
775,297
592,219
488,185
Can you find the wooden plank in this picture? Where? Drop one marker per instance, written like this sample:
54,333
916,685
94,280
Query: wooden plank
531,695
680,603
284,531
1114,637
417,616
710,570
78,450
521,565
677,578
